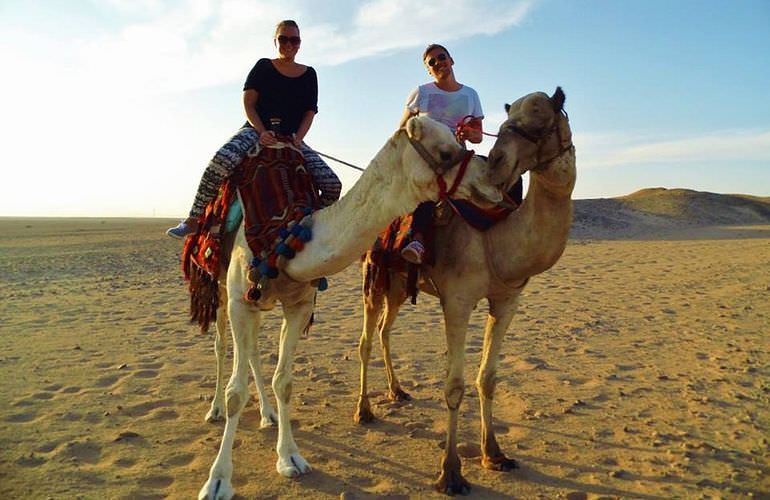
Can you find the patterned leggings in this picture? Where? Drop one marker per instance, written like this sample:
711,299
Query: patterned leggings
234,151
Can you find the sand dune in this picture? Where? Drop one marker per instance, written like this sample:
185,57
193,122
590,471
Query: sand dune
635,369
671,213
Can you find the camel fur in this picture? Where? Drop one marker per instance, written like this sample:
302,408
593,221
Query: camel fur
496,265
396,181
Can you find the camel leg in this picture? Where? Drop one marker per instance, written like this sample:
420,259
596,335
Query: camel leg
266,411
217,410
501,313
456,316
372,309
296,317
393,301
242,319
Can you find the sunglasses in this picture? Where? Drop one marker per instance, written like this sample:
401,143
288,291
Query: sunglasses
283,39
433,60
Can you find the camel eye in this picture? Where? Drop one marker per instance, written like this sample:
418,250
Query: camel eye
445,155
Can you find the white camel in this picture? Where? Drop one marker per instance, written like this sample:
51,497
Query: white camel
496,265
402,174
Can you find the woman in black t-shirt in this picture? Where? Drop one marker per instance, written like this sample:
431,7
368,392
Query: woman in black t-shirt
280,96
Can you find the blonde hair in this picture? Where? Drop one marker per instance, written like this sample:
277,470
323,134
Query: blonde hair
286,23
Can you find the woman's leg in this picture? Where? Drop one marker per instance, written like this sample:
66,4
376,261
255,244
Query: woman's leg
221,166
323,176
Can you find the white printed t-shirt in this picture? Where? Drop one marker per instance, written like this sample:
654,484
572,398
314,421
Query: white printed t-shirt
448,108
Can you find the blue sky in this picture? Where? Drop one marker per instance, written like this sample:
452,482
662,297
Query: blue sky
113,107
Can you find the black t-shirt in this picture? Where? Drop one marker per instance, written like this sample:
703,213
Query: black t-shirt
282,97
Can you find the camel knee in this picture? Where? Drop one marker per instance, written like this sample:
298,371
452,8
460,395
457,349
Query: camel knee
282,387
235,399
220,346
486,383
454,392
365,347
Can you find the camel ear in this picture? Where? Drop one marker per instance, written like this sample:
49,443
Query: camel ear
414,128
507,108
557,99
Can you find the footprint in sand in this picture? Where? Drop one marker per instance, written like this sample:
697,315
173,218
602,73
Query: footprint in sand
85,452
157,481
48,447
52,388
20,417
124,463
146,374
43,395
143,409
30,461
70,390
164,415
106,381
151,365
180,460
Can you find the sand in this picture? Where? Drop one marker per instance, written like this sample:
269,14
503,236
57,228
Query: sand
635,369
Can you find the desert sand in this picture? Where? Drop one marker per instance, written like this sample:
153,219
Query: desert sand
635,369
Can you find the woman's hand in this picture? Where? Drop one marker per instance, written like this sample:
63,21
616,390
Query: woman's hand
267,138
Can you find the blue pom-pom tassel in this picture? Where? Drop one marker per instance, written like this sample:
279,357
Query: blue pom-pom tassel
307,211
323,284
281,248
263,268
283,232
296,230
272,273
255,262
290,253
253,294
306,234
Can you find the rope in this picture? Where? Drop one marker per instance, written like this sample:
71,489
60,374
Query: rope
340,161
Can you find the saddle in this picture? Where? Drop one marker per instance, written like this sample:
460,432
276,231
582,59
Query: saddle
271,187
384,256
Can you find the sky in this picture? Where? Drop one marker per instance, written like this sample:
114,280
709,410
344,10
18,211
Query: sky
114,107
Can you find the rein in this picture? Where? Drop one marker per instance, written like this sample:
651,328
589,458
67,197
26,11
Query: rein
538,141
442,167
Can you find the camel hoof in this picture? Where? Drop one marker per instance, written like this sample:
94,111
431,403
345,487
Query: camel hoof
269,419
295,466
399,395
452,483
363,416
216,489
215,414
501,463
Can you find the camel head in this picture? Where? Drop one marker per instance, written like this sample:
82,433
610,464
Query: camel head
434,153
536,131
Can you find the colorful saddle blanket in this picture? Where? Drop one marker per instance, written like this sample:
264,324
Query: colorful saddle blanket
272,186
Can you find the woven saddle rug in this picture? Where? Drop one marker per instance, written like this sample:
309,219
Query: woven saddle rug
272,184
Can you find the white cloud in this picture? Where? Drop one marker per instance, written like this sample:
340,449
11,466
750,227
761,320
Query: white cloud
613,150
190,44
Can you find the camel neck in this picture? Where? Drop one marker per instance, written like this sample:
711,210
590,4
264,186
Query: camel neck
345,230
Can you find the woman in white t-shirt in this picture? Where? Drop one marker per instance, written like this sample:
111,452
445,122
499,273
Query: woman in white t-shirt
449,102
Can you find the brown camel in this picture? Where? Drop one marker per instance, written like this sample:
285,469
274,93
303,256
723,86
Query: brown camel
471,265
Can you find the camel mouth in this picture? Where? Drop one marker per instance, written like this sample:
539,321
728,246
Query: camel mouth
486,195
